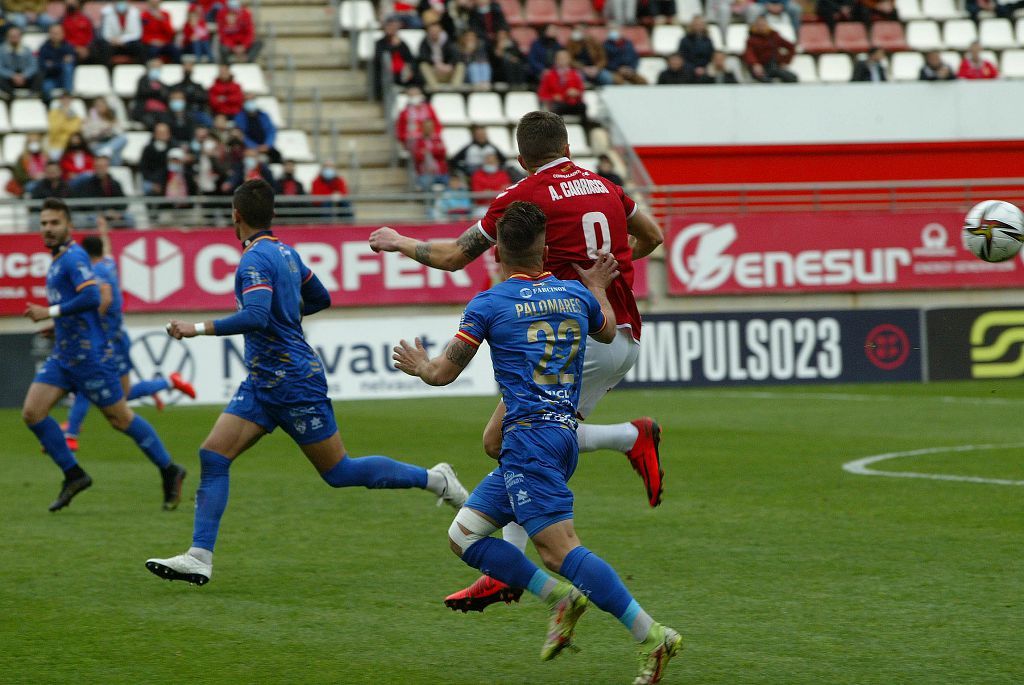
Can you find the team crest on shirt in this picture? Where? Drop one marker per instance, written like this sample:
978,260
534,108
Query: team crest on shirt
300,426
526,292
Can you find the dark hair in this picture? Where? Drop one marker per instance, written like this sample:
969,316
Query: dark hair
93,245
254,200
518,230
56,204
541,137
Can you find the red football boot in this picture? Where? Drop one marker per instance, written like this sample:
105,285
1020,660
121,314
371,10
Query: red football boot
182,385
72,442
644,458
158,401
481,594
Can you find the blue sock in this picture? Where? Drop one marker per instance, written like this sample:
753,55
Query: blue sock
596,579
147,388
211,498
77,414
504,561
375,472
51,437
148,441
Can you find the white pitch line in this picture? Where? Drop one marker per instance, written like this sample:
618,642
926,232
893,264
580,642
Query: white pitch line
854,397
860,466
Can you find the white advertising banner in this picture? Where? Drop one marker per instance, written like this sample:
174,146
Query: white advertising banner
356,354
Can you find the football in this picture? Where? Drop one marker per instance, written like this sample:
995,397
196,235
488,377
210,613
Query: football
994,230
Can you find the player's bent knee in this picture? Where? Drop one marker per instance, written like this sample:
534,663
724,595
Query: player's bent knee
467,528
31,415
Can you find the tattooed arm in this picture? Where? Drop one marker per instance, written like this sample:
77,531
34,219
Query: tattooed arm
441,370
449,255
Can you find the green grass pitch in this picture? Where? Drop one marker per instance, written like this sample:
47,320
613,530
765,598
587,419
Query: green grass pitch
776,565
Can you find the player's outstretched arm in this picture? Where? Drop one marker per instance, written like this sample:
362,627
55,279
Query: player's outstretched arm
87,298
253,316
645,234
597,279
449,255
315,297
441,370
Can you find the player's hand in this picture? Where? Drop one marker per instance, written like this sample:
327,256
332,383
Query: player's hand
37,312
601,274
385,239
181,329
409,358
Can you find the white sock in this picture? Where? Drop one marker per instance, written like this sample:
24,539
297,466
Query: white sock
203,555
515,534
641,627
616,436
436,482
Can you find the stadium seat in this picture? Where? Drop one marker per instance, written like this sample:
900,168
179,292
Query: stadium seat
91,80
293,144
805,68
365,44
835,68
513,11
77,106
307,172
178,10
5,122
171,74
126,79
957,34
413,38
28,115
270,105
816,39
486,109
640,38
888,35
519,103
455,138
909,10
539,12
997,34
782,25
952,58
686,10
579,12
906,66
14,145
1013,64
715,34
851,37
736,39
499,137
923,35
33,41
250,77
117,104
524,37
450,108
665,38
941,9
1020,31
125,177
595,108
600,143
588,163
206,74
137,140
356,15
578,144
651,67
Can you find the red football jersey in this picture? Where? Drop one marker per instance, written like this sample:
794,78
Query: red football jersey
586,213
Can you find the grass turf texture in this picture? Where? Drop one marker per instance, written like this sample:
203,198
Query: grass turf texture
777,566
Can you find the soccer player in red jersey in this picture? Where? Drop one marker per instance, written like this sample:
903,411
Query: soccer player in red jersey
586,213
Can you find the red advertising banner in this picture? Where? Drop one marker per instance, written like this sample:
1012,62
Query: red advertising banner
827,252
194,270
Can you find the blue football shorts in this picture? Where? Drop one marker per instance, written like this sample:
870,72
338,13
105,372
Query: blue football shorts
95,380
305,421
122,355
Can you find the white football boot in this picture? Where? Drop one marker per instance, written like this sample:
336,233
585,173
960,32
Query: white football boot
453,494
182,567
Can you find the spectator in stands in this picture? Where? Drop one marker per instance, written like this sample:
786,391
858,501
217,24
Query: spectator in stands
151,96
543,51
258,131
183,123
62,122
834,11
226,97
430,159
402,11
471,157
286,183
623,59
935,69
974,66
510,65
157,33
209,8
180,181
391,55
657,12
606,169
22,13
768,53
121,30
56,63
153,162
195,36
196,97
409,126
100,184
439,59
871,69
329,183
561,88
696,47
77,158
18,66
677,72
718,71
31,165
588,57
459,13
473,54
52,184
760,8
454,202
236,34
251,166
487,20
212,171
620,11
489,177
104,132
869,11
80,33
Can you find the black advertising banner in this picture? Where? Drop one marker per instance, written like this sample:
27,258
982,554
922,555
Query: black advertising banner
975,343
20,354
772,348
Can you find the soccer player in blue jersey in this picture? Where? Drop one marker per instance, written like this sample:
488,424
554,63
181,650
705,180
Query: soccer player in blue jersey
286,387
537,327
111,311
81,362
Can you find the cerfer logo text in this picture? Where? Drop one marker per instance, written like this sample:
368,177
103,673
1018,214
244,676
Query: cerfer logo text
996,345
699,259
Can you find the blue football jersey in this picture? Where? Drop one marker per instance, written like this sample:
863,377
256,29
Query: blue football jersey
537,329
106,272
77,337
278,357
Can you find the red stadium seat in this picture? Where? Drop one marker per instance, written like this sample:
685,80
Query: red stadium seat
815,39
541,12
641,39
579,12
513,12
524,37
562,33
851,36
888,35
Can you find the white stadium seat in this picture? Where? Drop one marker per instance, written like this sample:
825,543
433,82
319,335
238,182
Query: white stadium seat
365,44
941,9
1020,31
250,78
906,66
294,145
782,24
306,173
687,10
5,122
595,107
137,140
178,9
413,38
908,10
600,142
1013,64
578,144
450,109
835,68
805,68
29,115
715,34
517,104
500,138
270,105
126,79
923,35
357,15
33,41
651,67
485,109
952,58
588,163
171,74
997,34
14,145
455,138
957,34
206,74
736,39
665,39
91,81
77,106
125,177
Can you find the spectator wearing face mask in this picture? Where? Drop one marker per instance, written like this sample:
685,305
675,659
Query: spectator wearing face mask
153,162
121,30
77,158
329,184
151,97
623,59
471,157
183,123
258,131
212,171
489,178
63,121
252,167
180,183
31,165
158,34
236,34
